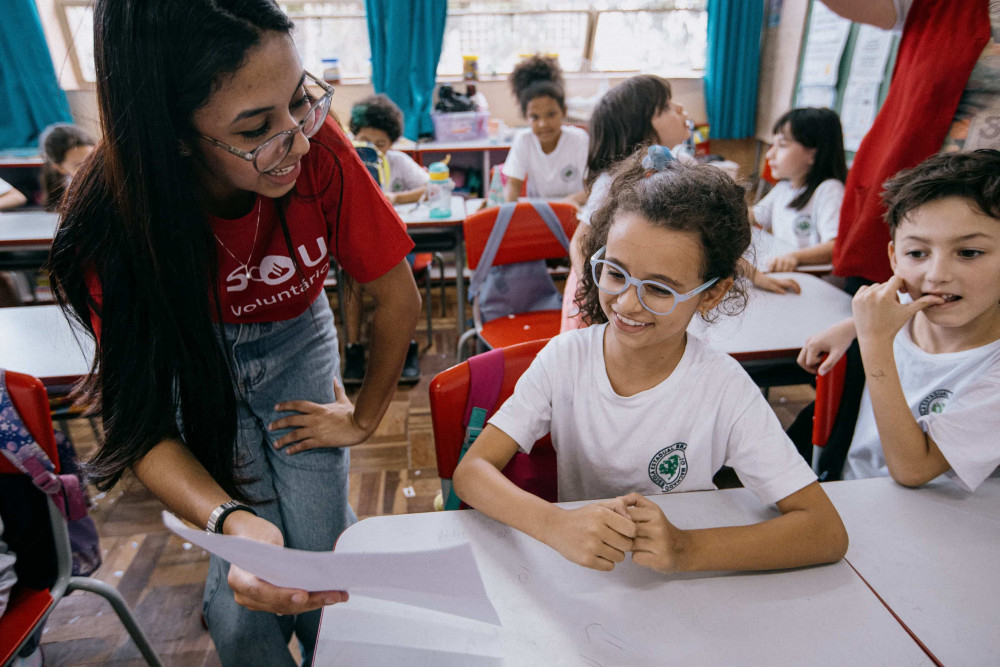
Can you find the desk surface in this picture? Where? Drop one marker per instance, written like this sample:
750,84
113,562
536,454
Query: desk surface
931,554
419,215
766,245
39,341
21,229
557,613
776,326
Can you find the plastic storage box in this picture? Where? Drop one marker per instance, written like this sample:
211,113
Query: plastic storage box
461,125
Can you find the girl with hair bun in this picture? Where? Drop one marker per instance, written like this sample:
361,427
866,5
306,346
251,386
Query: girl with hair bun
552,154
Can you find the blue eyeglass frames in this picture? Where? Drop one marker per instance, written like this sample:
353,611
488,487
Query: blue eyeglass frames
654,296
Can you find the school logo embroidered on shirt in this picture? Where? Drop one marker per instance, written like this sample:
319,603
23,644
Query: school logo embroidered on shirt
568,172
935,402
669,467
803,226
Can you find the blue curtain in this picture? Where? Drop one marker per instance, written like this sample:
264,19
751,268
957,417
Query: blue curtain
30,97
405,38
732,65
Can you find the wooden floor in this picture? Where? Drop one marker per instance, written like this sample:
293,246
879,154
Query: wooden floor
161,576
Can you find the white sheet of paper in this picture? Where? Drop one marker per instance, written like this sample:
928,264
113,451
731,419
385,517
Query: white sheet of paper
858,111
816,96
374,632
445,579
871,54
824,47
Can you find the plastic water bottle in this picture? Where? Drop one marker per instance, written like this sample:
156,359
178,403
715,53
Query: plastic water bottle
439,190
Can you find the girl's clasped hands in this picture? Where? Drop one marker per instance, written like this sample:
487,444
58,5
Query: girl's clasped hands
599,535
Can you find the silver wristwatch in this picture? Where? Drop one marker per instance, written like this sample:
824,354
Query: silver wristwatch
219,514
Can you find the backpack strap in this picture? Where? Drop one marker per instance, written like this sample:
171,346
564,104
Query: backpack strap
492,244
504,214
551,220
485,378
23,451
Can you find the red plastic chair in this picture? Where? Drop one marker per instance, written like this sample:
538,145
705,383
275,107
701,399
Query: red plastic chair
28,608
527,239
829,389
449,392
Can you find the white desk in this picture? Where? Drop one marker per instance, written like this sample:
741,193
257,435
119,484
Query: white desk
39,341
933,555
557,613
25,230
776,326
765,245
433,234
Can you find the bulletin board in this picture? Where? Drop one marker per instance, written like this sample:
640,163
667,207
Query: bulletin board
846,66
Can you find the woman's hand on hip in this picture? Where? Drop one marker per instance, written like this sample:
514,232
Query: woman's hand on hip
255,593
331,425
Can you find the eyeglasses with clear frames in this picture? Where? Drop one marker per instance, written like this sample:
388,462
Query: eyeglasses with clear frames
269,154
654,296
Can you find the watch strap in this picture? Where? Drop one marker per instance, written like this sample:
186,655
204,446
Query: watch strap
219,514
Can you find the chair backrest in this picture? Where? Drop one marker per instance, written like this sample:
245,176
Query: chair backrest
829,389
31,401
527,237
449,392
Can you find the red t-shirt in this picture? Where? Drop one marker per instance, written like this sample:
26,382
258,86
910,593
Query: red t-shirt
335,210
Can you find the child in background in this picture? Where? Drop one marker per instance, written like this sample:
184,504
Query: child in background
930,336
803,209
600,392
637,112
550,155
379,121
10,197
64,148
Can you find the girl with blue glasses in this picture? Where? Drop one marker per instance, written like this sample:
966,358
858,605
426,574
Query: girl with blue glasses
637,406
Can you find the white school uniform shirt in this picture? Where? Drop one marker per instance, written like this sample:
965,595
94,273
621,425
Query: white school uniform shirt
673,437
955,398
5,187
552,176
815,223
404,173
598,193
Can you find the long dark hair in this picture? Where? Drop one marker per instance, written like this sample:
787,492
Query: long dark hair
820,129
132,224
622,121
700,199
53,144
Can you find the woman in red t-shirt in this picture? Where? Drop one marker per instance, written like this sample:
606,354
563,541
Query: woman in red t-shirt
193,246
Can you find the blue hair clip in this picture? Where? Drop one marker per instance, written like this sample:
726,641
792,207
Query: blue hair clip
657,158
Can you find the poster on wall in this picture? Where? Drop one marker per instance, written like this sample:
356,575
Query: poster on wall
824,47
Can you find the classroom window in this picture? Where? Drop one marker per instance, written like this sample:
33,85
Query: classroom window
663,36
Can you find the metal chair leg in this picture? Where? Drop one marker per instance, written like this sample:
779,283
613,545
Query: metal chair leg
124,613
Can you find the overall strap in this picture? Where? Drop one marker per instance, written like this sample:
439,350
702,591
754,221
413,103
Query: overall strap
504,214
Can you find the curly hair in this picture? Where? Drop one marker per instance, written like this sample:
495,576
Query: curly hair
974,176
700,199
538,76
380,113
55,141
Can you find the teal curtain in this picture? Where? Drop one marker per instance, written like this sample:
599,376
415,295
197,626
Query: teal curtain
30,97
405,38
732,65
